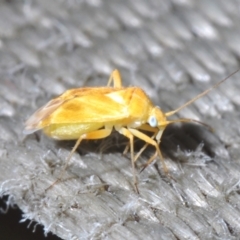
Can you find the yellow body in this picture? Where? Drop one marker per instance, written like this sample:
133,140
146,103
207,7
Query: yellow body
83,110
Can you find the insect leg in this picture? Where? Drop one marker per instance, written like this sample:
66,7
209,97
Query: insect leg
145,127
128,134
143,148
148,128
149,140
102,133
116,78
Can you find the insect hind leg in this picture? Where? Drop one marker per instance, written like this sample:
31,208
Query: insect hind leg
115,77
102,133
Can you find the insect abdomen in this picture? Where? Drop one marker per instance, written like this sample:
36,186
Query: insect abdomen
70,131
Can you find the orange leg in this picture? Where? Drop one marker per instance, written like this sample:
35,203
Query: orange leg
115,77
102,133
149,140
148,128
128,134
143,148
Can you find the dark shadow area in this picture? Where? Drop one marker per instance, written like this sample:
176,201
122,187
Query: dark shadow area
188,137
12,229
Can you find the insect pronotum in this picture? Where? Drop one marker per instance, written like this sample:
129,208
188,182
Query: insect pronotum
93,113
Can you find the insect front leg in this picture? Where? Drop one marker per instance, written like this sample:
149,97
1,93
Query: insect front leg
116,78
149,140
128,134
144,127
143,148
98,134
148,128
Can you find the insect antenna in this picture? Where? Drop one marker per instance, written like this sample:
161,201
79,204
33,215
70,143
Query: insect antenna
190,120
199,95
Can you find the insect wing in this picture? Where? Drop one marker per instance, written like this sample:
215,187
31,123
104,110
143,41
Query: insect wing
87,109
36,121
86,105
33,123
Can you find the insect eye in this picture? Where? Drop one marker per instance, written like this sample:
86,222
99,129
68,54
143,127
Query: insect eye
152,121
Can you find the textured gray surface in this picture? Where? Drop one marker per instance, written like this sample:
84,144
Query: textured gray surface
172,49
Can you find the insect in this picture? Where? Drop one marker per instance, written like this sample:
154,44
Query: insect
93,113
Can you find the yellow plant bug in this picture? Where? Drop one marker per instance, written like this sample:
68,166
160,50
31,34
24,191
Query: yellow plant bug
93,113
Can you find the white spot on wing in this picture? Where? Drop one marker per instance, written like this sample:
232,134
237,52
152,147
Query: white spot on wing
116,97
